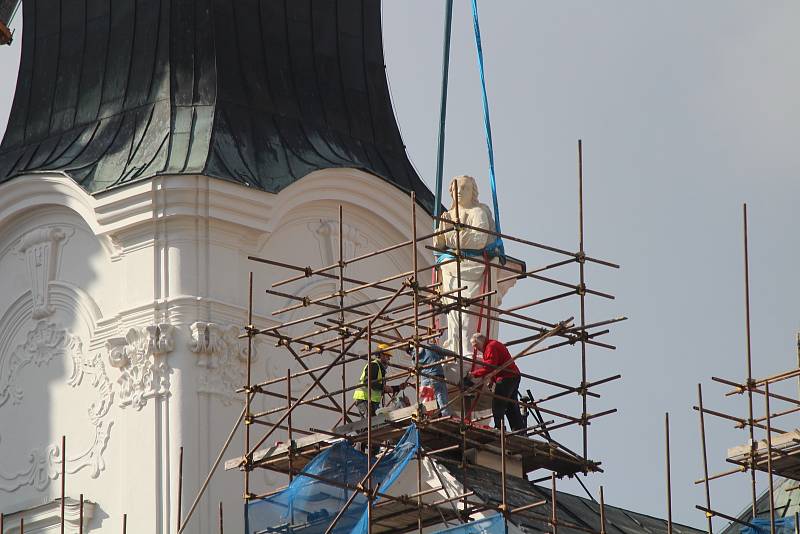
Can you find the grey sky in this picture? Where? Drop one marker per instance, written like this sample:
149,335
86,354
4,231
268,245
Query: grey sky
686,110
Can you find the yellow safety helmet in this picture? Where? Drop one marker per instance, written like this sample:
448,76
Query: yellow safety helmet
383,348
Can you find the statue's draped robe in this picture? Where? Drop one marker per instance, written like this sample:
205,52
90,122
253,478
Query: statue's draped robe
473,274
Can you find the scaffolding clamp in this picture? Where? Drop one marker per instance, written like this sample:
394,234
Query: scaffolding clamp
247,463
585,419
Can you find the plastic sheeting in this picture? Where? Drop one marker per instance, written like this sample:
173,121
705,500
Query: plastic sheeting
309,505
490,525
782,526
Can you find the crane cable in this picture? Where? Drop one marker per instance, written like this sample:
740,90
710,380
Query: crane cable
495,248
448,25
14,13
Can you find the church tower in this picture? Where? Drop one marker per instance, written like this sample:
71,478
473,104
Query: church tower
153,145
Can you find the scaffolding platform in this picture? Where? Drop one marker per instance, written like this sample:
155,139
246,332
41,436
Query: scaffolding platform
785,455
393,516
445,432
442,435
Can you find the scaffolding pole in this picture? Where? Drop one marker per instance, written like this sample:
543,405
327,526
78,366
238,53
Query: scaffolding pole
331,328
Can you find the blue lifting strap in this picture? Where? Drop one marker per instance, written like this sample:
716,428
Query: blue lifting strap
496,247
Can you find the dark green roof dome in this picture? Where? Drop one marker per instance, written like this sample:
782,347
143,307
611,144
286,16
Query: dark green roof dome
260,92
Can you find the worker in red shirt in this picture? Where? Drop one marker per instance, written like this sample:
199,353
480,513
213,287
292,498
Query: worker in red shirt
506,381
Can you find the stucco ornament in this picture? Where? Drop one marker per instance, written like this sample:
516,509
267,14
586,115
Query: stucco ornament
223,359
326,234
93,370
40,249
46,341
472,242
141,358
41,468
44,464
42,344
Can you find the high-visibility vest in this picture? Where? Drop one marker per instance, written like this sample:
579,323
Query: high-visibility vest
376,394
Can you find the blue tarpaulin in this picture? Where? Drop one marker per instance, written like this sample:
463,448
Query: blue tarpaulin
782,526
310,504
491,525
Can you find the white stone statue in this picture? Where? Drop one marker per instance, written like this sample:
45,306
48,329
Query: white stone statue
472,242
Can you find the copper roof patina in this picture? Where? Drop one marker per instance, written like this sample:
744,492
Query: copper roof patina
259,92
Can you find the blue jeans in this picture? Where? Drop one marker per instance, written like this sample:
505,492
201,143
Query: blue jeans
440,392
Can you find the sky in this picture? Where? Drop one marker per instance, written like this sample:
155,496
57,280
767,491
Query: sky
686,110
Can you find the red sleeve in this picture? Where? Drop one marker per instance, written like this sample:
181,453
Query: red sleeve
490,357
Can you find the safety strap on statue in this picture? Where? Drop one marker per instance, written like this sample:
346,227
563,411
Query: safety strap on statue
442,257
483,309
485,283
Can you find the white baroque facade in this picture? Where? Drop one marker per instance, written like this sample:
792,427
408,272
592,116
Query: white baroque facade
120,317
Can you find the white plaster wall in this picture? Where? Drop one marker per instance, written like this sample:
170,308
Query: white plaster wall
148,289
53,374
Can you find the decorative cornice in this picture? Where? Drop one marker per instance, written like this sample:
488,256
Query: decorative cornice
141,358
350,187
126,208
42,517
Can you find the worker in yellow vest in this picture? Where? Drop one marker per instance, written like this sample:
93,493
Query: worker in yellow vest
377,379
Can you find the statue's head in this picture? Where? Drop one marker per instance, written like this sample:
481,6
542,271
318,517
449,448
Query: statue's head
467,191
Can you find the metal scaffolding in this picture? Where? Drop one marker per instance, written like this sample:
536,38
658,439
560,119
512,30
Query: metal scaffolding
769,449
341,328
